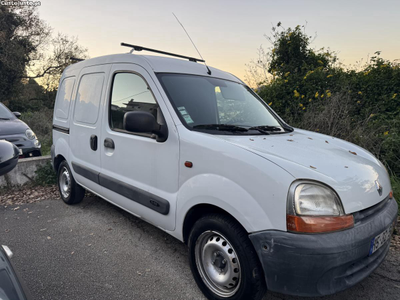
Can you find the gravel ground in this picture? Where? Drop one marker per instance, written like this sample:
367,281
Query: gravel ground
95,250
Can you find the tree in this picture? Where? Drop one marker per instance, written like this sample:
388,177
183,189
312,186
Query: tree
29,56
22,34
257,70
62,48
290,54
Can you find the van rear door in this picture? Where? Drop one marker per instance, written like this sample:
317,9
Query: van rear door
85,126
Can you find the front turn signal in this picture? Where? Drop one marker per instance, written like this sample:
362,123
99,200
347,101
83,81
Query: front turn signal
311,224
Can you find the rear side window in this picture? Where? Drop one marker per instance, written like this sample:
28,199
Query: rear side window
88,98
129,93
64,98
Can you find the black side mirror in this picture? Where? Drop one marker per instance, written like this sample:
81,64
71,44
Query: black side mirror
17,114
9,154
145,122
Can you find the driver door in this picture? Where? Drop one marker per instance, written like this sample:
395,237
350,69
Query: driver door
138,173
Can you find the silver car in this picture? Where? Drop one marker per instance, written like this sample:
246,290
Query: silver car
17,132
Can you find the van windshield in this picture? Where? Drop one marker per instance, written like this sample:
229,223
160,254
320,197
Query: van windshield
209,104
5,114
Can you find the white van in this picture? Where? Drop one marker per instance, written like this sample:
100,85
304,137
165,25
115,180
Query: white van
195,152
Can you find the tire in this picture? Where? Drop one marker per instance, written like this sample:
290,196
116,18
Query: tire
70,191
36,153
218,244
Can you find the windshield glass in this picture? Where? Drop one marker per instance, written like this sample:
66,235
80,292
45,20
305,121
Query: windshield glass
5,113
200,100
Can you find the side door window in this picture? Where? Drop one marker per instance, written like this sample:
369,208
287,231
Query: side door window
88,98
64,99
130,92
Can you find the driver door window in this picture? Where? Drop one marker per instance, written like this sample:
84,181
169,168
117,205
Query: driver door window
129,93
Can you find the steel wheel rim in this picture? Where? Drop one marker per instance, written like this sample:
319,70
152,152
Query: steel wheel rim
218,264
65,183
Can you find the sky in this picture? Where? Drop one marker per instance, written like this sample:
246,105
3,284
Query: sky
227,33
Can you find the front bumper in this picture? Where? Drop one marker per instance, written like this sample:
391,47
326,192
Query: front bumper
29,147
323,264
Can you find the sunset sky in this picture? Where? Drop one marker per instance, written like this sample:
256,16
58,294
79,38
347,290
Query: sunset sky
227,33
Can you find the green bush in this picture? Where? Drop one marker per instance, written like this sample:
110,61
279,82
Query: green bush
41,123
396,188
45,175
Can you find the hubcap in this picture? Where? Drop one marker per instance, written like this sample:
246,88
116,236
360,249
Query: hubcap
65,183
218,264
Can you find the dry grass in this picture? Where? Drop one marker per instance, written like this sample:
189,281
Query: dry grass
336,118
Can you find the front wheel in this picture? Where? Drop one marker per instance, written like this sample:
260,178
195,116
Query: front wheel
223,260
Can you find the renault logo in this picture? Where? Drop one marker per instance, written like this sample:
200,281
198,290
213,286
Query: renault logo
379,188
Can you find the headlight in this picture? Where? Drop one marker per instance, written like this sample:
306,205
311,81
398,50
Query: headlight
30,134
315,208
316,200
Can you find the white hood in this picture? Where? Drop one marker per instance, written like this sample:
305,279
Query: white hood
350,170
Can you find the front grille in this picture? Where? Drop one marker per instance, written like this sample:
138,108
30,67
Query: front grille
12,140
370,211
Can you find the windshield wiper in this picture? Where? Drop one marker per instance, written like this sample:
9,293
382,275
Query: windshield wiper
266,128
288,128
221,127
4,119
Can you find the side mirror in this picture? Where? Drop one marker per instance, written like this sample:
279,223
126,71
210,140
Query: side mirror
144,122
17,114
139,121
9,154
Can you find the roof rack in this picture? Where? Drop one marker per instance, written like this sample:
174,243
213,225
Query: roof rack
140,48
76,59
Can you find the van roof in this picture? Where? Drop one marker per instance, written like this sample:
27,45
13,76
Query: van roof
158,64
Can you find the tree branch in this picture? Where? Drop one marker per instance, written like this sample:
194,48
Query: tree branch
43,73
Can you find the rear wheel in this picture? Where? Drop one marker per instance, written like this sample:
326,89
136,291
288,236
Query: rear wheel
70,191
223,261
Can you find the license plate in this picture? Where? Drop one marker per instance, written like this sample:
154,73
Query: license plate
380,239
20,151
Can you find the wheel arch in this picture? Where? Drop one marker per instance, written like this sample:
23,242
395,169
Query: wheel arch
60,152
196,212
58,160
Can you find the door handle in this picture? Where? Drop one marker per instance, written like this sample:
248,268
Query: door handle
109,143
93,142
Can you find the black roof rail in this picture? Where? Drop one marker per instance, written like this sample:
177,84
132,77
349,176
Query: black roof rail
76,59
140,48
